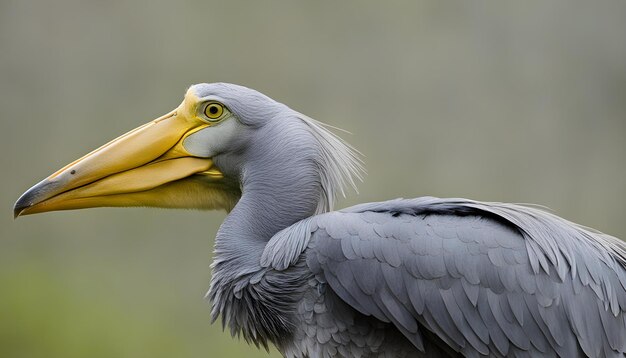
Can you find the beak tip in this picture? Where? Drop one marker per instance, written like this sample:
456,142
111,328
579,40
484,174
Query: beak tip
19,208
23,203
33,196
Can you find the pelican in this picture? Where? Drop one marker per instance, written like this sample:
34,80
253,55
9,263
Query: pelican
401,278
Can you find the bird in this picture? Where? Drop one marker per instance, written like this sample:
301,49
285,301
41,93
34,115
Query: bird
431,277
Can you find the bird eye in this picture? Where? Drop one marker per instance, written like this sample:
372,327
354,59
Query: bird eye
214,110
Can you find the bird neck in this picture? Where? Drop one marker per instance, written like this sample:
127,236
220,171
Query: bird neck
288,172
269,203
280,184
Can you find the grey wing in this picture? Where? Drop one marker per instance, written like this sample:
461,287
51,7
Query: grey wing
470,280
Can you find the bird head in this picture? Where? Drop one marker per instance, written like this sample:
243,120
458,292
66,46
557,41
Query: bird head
194,156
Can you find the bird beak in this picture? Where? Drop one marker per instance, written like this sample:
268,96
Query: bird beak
147,166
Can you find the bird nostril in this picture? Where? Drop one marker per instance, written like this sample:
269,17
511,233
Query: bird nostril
73,172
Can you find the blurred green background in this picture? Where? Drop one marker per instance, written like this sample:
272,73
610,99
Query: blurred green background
500,101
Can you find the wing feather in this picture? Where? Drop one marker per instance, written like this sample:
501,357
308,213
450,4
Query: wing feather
486,278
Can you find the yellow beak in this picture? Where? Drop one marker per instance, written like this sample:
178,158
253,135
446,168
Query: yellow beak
147,166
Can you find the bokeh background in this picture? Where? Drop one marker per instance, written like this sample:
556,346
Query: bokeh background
501,101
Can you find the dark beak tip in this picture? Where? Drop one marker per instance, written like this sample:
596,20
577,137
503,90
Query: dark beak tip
38,193
24,202
18,208
16,212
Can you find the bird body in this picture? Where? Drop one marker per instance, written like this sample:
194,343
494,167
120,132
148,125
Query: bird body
485,278
401,278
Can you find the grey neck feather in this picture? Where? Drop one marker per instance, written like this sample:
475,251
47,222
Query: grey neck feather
292,170
280,186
